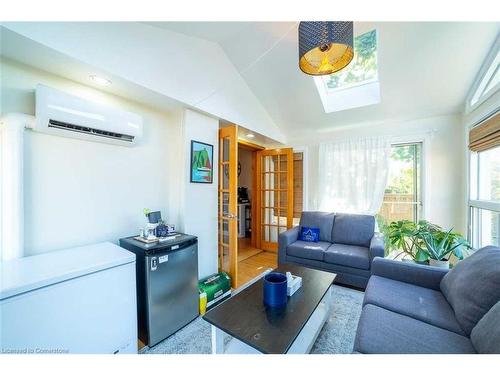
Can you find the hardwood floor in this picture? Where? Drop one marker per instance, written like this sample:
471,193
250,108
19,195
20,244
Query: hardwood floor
252,262
245,249
140,345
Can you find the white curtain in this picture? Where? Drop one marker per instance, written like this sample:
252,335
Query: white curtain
353,175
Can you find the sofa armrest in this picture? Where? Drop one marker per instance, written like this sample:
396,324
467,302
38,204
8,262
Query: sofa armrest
407,272
285,239
377,246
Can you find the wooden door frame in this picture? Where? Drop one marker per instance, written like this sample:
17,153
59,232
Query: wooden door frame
230,132
253,200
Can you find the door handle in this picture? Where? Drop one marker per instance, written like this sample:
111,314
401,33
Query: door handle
230,216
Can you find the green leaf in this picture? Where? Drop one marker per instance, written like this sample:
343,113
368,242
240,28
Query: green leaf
421,256
459,253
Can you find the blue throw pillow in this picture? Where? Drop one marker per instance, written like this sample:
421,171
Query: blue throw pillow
309,234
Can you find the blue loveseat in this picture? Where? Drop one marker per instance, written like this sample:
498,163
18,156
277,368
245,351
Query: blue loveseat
411,308
348,244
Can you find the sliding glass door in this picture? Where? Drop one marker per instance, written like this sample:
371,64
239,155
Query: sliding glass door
403,194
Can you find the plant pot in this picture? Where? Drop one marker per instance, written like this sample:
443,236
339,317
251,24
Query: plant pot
439,263
409,260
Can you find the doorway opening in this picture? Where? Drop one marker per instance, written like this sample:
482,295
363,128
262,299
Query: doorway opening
270,201
252,260
256,204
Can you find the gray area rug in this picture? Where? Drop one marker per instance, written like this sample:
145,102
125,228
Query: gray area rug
336,337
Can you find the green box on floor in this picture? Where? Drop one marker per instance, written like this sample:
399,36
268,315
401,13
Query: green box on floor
217,287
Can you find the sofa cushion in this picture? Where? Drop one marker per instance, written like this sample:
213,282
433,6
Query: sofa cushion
472,286
345,275
385,332
309,234
427,305
348,255
485,335
308,250
350,229
321,220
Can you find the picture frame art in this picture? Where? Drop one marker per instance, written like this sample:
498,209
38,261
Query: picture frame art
202,167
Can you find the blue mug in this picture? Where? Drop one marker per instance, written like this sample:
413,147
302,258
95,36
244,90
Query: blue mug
275,289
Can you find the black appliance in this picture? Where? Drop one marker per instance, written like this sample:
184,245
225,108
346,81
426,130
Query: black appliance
243,195
167,285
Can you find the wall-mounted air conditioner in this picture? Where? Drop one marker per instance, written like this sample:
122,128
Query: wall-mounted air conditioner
65,115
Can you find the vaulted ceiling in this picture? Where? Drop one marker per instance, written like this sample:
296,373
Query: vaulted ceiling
425,68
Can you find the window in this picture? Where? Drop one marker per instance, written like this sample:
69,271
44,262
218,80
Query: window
488,81
484,202
356,85
363,68
403,194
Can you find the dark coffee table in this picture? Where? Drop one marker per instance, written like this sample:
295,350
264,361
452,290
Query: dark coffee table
255,328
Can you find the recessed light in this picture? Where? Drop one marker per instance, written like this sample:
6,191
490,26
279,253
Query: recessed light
100,80
250,135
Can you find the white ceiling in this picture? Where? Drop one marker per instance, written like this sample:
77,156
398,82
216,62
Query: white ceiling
216,32
425,69
29,52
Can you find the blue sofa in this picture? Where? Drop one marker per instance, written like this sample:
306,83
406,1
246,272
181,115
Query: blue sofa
348,245
410,308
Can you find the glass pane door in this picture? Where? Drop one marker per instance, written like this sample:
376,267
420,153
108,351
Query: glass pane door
228,186
275,196
403,194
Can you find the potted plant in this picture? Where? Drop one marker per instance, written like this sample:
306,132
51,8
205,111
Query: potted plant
437,247
425,242
403,235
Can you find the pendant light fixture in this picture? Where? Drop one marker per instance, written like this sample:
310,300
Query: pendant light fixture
325,47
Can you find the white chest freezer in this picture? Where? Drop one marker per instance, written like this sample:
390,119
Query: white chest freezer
79,300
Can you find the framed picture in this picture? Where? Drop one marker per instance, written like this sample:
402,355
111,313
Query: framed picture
202,168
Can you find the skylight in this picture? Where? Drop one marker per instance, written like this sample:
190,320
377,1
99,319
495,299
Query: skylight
363,67
356,85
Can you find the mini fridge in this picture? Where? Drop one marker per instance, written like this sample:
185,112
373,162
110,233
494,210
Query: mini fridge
167,285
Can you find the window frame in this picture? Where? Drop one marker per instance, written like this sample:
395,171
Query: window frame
481,76
420,187
474,203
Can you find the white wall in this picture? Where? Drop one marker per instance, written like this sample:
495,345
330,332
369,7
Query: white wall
191,70
444,164
199,209
79,192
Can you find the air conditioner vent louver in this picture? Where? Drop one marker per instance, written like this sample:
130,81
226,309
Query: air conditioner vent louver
64,115
87,130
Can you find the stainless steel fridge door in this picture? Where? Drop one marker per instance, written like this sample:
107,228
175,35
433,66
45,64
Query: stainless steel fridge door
172,291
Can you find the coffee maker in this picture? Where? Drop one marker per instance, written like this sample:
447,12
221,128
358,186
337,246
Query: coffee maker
243,195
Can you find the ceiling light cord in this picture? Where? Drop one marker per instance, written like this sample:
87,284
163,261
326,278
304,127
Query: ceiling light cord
251,65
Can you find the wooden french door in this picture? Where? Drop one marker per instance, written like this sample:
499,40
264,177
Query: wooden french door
274,196
228,198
